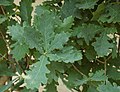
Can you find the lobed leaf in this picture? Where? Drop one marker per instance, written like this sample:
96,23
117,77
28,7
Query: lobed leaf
108,87
87,4
37,74
111,14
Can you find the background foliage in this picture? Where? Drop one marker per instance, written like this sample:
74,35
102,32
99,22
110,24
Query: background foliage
74,40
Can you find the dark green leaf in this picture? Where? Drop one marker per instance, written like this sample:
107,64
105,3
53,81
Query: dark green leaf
87,4
51,87
26,10
112,14
108,87
87,32
19,51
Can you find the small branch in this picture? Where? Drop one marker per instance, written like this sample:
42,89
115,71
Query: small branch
18,19
3,10
100,61
7,44
108,58
20,67
105,66
3,57
78,70
117,0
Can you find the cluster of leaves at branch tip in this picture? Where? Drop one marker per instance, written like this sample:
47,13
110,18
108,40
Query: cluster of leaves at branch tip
76,41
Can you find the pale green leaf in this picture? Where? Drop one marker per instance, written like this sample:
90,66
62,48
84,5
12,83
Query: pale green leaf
37,74
59,40
45,25
68,54
16,31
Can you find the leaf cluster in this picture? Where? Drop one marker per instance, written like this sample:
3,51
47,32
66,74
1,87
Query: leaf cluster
77,41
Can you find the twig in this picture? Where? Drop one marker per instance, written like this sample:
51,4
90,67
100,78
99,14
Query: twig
108,58
7,44
100,61
20,67
18,19
3,10
3,57
78,70
105,66
117,0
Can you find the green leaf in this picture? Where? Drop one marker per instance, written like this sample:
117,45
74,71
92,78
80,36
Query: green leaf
37,74
5,70
99,76
113,73
2,18
59,40
99,11
54,68
51,87
113,68
67,23
108,87
102,45
32,37
69,9
16,31
68,54
45,25
19,51
87,32
92,89
111,14
90,53
87,4
3,47
5,2
26,10
41,10
6,87
28,90
72,78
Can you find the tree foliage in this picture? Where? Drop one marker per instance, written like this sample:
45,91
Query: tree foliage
74,40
